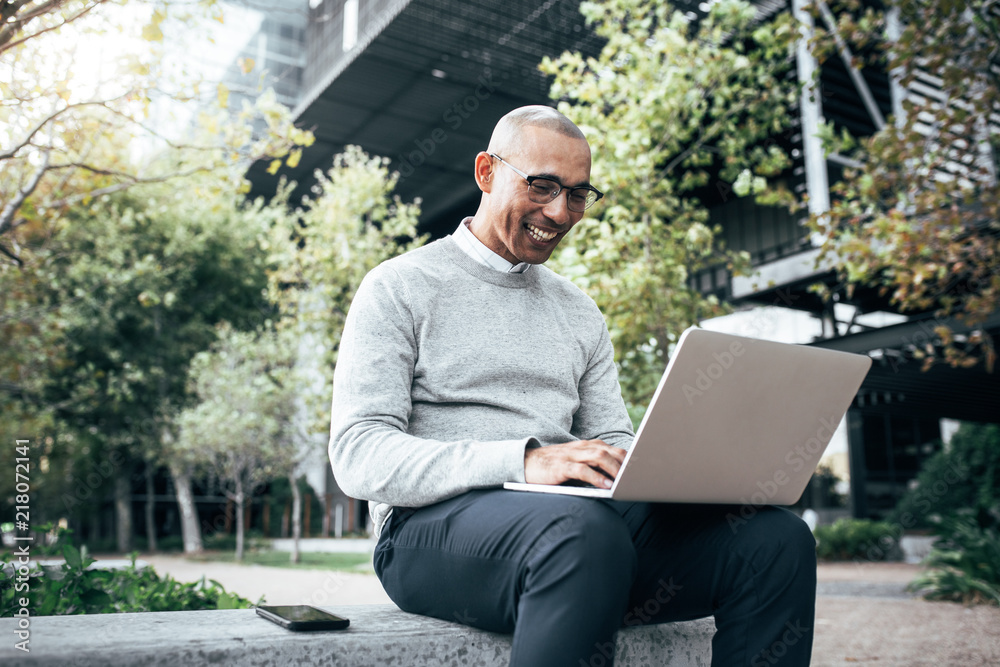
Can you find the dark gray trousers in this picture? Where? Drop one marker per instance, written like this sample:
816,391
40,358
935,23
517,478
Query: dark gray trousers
564,573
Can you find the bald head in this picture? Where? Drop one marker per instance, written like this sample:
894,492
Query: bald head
508,134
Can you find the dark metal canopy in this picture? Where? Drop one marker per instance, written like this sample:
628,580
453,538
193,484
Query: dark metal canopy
427,91
898,384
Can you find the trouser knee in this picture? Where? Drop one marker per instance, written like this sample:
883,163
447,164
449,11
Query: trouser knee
778,542
588,534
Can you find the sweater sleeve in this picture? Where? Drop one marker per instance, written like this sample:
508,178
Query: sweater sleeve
373,456
602,413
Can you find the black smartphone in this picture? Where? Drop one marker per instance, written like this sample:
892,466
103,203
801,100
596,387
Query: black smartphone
302,618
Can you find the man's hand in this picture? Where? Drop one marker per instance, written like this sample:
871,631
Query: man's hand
592,461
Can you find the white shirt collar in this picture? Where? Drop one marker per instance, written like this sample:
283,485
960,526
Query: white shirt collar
478,251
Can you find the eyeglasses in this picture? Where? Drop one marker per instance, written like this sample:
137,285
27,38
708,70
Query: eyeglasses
543,190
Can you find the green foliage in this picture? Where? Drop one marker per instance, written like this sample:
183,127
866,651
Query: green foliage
245,392
77,589
964,565
132,287
676,113
958,496
919,217
114,298
321,252
122,241
965,476
822,489
151,277
242,428
246,426
221,541
857,539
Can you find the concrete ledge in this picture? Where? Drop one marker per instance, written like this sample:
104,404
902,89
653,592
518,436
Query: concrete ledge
379,635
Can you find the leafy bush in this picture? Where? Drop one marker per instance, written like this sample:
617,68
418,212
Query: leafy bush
964,565
857,539
964,476
958,496
74,589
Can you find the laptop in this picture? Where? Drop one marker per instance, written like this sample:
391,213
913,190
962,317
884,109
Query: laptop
733,420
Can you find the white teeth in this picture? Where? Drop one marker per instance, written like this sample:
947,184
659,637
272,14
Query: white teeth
540,235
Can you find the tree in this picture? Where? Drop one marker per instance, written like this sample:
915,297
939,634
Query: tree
675,109
918,214
70,122
964,477
323,250
80,379
242,429
142,281
23,21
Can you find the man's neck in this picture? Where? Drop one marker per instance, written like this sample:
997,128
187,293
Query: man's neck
483,252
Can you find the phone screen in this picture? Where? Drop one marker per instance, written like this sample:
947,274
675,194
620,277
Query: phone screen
302,617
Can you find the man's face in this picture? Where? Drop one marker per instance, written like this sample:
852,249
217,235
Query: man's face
521,230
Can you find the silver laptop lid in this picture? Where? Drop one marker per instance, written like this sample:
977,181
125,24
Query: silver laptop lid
738,420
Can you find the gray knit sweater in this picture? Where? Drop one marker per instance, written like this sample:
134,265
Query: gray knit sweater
448,369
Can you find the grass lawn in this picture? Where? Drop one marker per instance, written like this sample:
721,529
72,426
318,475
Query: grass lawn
307,560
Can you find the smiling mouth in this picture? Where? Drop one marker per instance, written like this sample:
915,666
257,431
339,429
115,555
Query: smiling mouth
540,235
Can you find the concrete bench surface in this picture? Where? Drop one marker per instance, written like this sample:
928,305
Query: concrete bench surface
378,635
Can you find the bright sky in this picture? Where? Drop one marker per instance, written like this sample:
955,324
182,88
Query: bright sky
93,55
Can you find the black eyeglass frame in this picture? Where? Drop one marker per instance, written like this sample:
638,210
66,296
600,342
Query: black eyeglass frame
559,190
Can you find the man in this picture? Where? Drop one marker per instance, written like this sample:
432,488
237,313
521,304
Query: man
466,364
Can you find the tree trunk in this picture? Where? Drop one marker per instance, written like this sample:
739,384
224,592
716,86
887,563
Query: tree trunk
123,508
296,517
150,510
190,529
238,499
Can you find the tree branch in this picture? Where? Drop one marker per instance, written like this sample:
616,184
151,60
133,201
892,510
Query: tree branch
10,8
43,9
161,137
133,180
8,253
92,169
7,215
11,152
8,32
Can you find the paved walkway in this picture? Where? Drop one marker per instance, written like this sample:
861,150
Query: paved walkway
278,585
864,614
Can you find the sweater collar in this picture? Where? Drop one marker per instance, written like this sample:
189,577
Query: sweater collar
485,273
482,253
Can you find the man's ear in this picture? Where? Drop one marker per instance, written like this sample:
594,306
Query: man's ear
484,171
